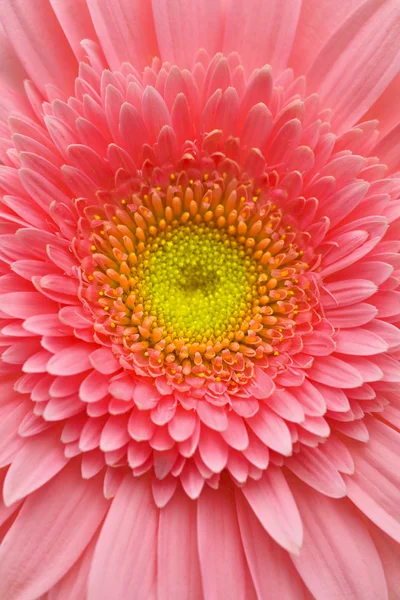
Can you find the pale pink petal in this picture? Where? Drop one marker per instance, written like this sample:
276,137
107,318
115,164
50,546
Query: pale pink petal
385,109
74,18
74,583
374,486
270,22
126,31
222,562
271,500
316,470
71,361
39,460
360,342
338,558
349,81
272,430
51,61
317,22
68,510
197,29
333,371
124,563
270,567
213,450
178,562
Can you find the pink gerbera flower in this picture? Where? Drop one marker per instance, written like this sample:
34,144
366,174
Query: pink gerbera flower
199,300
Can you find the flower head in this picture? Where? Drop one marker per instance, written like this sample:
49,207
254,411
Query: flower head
200,302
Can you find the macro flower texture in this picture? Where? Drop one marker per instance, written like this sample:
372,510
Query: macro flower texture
200,300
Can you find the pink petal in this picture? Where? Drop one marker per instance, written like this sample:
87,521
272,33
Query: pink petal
236,433
197,29
51,61
334,372
222,561
104,361
360,342
350,81
125,30
71,361
50,533
271,569
270,22
94,387
26,304
272,430
38,461
129,530
338,558
213,450
178,571
155,112
213,416
374,487
316,470
182,424
74,583
272,502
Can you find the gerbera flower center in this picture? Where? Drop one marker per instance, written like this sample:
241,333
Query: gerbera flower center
196,281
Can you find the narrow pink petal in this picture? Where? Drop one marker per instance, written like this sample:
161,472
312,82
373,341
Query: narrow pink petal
336,294
271,500
133,131
222,561
46,325
74,18
126,31
51,61
40,459
197,29
338,558
374,487
72,360
104,361
74,583
236,434
271,568
124,563
115,433
155,112
388,551
285,404
94,387
192,481
360,314
272,430
316,470
348,80
360,342
213,416
334,372
270,22
317,23
182,424
178,574
385,108
50,533
310,398
213,450
256,452
26,304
